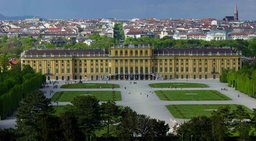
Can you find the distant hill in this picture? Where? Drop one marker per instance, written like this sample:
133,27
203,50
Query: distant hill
2,17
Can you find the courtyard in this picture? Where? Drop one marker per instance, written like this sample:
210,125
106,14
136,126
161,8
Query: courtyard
144,99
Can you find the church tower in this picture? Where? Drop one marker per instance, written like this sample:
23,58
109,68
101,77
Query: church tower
236,14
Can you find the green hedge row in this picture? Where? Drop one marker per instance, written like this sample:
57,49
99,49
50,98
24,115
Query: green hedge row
243,80
10,100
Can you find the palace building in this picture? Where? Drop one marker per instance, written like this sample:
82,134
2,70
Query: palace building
132,63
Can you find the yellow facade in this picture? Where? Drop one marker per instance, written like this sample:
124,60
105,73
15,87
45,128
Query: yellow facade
130,63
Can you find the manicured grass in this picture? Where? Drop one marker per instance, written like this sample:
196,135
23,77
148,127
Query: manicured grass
58,110
113,131
90,85
68,96
190,111
178,85
189,95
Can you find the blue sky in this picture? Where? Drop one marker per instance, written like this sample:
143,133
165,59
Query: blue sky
125,9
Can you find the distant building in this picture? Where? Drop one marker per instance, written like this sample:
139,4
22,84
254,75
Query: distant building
216,35
234,18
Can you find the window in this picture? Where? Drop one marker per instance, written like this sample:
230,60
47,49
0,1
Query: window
116,70
126,70
121,70
131,70
194,69
141,70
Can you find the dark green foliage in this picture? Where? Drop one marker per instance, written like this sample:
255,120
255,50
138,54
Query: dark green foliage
243,80
134,125
69,125
118,33
15,85
33,117
8,135
87,109
222,124
110,114
198,128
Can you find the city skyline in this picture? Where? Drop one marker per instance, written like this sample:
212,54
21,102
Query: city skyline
67,9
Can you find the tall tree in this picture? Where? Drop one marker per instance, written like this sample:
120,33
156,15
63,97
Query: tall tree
242,127
87,109
197,129
31,111
110,115
69,125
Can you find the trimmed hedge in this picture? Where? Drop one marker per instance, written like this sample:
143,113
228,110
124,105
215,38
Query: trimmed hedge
10,100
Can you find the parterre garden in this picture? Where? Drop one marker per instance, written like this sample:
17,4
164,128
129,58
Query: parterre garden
90,85
188,111
190,95
106,95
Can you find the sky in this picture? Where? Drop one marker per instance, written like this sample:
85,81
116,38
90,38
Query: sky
127,9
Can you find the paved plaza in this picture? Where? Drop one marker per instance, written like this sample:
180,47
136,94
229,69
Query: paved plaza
141,98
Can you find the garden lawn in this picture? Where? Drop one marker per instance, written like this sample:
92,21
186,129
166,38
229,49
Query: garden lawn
68,96
190,111
58,110
190,95
178,85
90,85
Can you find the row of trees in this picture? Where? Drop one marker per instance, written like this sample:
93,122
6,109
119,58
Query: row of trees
15,46
223,124
36,121
15,84
243,80
248,47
